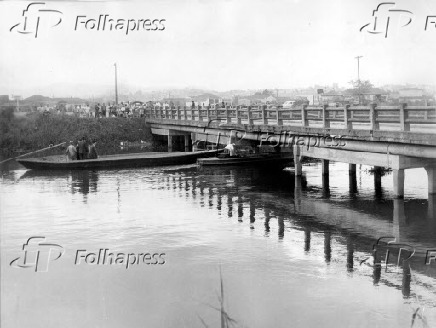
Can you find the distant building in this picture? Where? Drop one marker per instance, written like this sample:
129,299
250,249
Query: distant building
4,99
411,93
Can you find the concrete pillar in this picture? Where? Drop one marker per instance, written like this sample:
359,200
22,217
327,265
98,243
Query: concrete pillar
170,144
431,176
398,176
326,186
188,144
352,181
325,166
297,163
377,182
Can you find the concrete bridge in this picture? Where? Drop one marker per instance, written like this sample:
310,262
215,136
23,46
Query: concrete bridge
396,137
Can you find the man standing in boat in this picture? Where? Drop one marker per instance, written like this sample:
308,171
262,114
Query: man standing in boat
81,149
92,153
71,152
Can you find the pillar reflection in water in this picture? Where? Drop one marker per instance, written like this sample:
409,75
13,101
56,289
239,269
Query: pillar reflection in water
307,237
350,254
376,272
298,193
281,223
210,192
431,207
267,213
327,246
194,188
407,277
219,201
252,211
399,218
240,208
229,206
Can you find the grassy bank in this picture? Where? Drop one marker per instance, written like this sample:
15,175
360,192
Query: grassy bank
36,131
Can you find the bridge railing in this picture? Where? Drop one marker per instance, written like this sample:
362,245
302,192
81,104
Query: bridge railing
348,117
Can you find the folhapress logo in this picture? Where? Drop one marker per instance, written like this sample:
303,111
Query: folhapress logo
35,14
37,255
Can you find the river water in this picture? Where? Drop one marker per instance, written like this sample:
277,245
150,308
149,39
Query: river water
289,252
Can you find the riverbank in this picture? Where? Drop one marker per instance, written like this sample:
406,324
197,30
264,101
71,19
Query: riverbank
35,131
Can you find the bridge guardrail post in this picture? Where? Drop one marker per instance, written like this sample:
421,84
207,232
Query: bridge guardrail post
373,117
228,118
207,113
178,113
238,115
249,115
304,116
325,118
403,117
200,117
278,117
185,114
347,125
264,115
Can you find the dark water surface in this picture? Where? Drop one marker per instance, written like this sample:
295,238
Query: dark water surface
291,253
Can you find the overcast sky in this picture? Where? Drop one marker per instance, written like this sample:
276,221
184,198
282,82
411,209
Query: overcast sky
212,44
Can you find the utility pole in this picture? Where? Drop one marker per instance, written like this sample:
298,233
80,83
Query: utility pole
358,74
358,67
116,86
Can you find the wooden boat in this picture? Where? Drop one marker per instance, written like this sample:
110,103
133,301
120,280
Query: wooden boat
60,162
271,159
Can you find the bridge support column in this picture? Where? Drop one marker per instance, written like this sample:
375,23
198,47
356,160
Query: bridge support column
398,176
325,167
170,143
297,163
431,175
377,181
352,179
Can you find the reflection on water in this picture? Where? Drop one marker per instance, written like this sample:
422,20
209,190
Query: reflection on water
283,242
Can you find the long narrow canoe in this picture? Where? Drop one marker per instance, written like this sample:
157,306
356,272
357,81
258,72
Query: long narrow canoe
251,160
115,161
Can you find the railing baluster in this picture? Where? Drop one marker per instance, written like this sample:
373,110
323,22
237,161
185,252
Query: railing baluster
325,118
304,116
373,117
278,117
403,117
